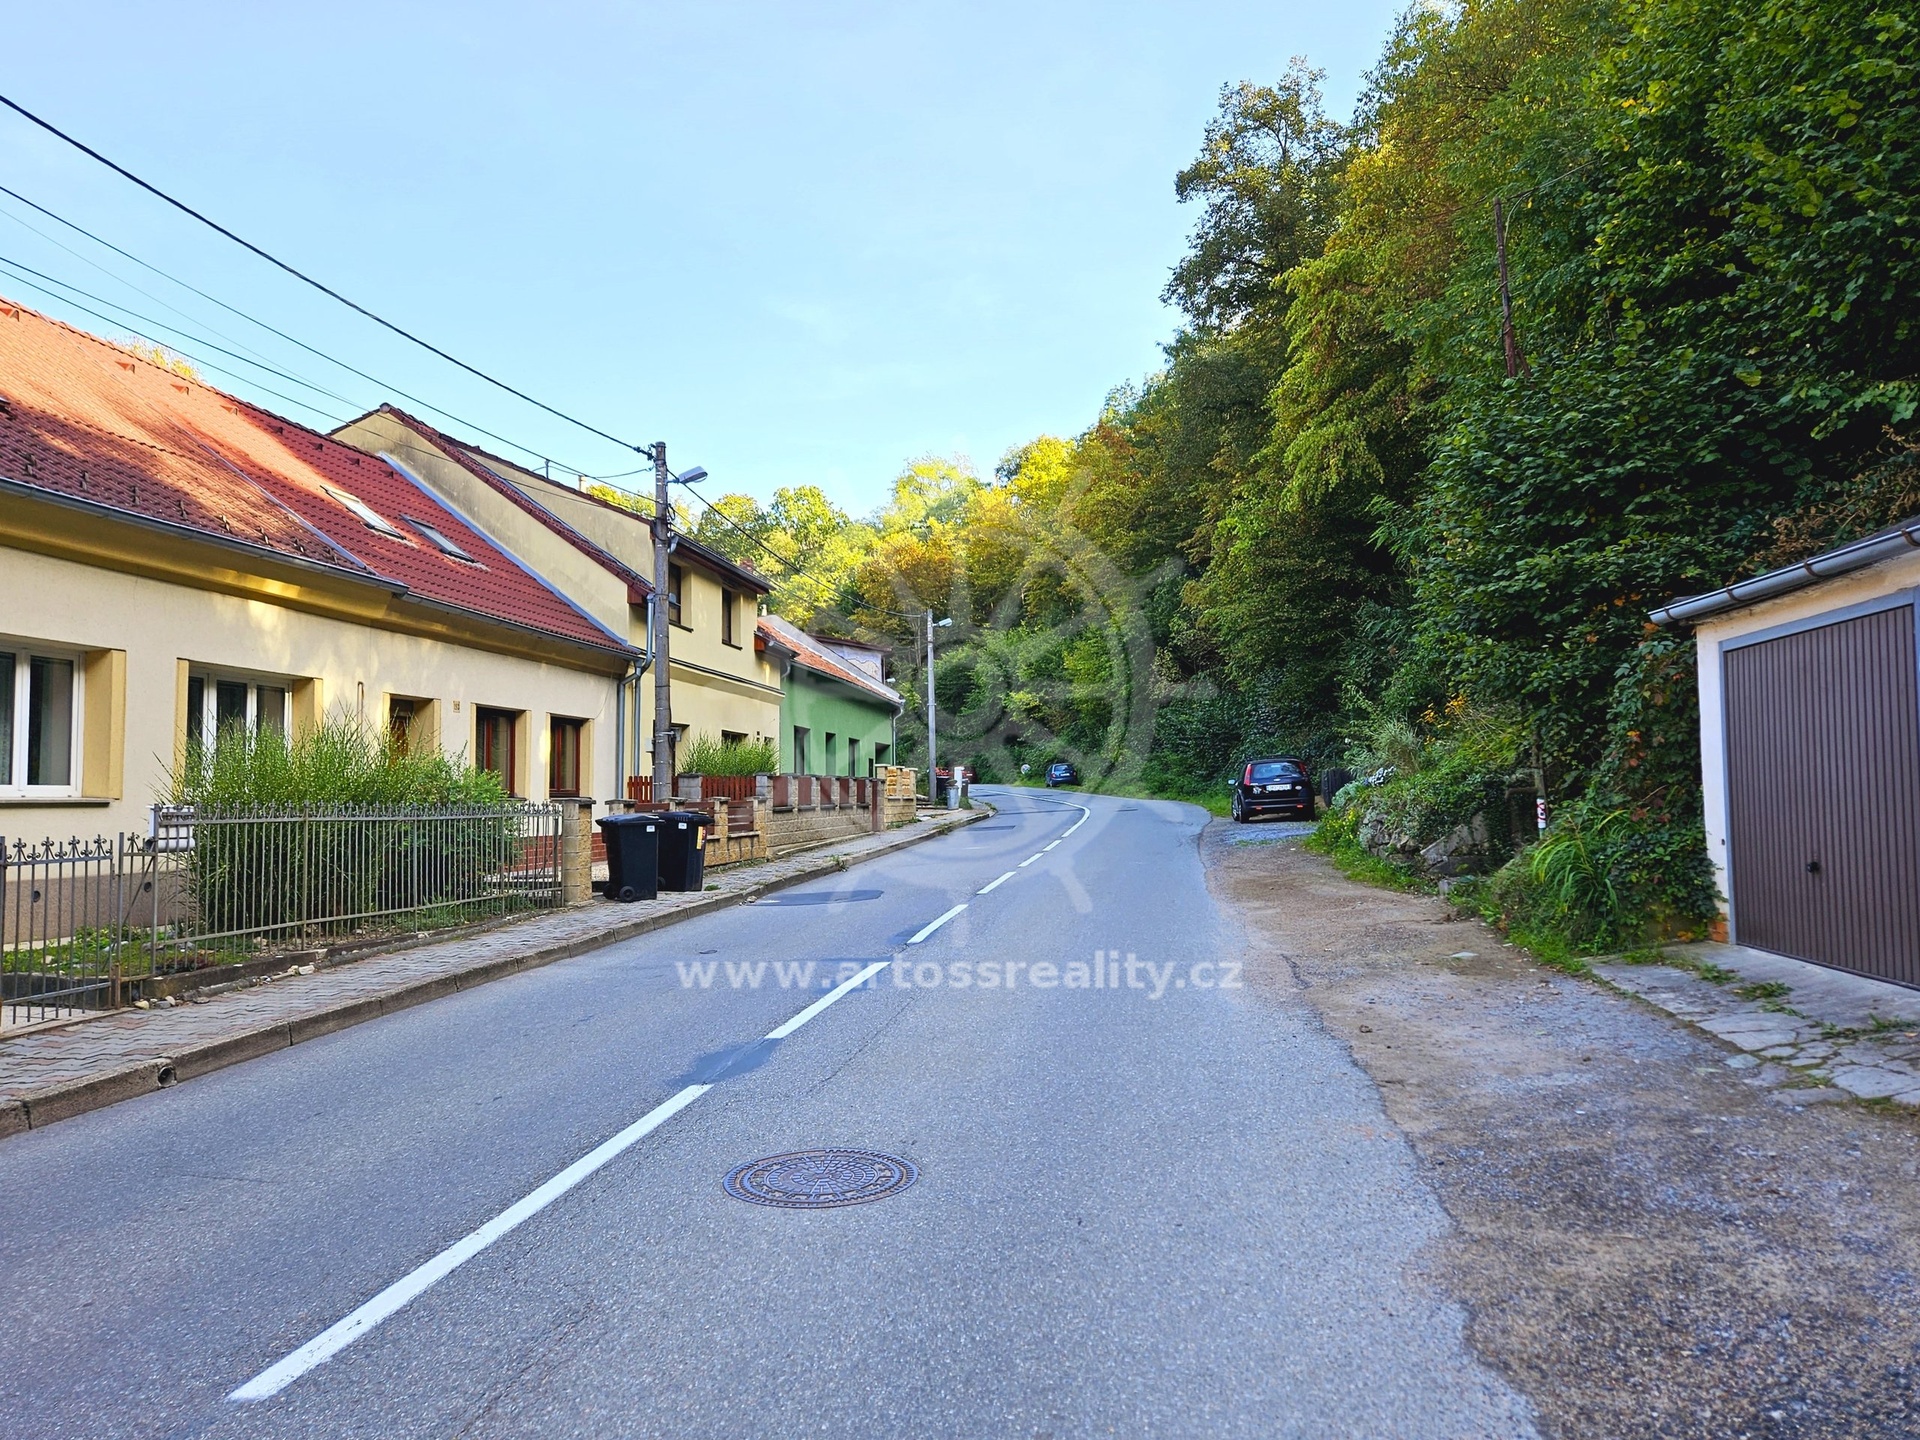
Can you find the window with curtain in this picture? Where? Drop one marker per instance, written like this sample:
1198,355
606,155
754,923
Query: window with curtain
493,747
220,705
563,755
39,715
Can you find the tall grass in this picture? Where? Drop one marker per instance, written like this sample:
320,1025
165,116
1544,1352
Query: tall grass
337,830
704,755
340,763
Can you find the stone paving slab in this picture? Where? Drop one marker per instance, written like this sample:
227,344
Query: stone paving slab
1818,1026
48,1074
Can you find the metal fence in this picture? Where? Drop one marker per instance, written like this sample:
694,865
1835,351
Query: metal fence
63,920
93,924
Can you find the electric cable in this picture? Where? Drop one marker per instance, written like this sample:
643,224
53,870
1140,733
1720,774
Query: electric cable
189,336
270,329
274,260
306,405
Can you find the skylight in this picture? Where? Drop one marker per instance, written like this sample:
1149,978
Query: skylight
366,514
441,542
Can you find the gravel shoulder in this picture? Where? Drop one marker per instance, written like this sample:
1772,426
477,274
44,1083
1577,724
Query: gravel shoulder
1648,1242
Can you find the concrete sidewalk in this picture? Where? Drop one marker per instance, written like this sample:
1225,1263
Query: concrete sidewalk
1793,1022
50,1074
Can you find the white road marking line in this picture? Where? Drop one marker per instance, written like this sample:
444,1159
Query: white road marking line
1030,859
994,884
781,1032
337,1337
932,926
331,1341
1045,848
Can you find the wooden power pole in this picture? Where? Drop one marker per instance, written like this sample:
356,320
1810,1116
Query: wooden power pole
662,686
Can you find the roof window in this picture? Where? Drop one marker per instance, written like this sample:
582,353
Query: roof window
440,541
366,514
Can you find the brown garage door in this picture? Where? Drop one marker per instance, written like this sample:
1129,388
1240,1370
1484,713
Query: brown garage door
1823,792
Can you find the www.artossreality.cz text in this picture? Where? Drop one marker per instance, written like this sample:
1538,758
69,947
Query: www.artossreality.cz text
1107,970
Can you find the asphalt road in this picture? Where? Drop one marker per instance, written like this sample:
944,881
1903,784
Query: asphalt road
1171,1205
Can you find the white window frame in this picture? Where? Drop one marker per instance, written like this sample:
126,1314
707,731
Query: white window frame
13,692
210,680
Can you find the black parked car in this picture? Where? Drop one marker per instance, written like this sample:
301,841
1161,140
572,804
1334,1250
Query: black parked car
1274,783
1061,772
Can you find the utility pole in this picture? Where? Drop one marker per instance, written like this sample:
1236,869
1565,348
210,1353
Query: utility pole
933,782
1516,362
662,686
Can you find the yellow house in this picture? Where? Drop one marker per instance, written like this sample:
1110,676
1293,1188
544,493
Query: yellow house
174,560
600,556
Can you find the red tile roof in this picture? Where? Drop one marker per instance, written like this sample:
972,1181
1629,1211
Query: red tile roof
89,421
744,575
491,468
811,653
473,461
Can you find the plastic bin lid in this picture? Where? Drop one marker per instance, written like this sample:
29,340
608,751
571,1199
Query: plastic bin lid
630,818
686,817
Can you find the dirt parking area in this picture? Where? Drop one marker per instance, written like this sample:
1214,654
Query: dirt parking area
1649,1242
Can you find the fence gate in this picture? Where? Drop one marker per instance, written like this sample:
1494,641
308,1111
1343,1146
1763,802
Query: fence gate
1823,795
64,917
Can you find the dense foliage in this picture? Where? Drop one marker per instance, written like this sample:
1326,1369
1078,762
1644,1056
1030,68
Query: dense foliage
340,763
704,754
1354,508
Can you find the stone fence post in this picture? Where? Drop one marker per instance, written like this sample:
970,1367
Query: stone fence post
576,850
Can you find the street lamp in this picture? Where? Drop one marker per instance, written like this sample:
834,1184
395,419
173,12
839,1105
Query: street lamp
933,782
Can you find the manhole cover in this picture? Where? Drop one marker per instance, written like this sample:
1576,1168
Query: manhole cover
821,1179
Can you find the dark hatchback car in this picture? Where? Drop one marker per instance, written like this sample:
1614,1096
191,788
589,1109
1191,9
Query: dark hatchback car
1277,783
1062,773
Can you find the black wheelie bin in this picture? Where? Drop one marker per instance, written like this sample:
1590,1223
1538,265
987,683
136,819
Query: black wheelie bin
683,849
633,856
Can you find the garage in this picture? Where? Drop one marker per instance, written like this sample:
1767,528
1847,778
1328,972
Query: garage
1810,749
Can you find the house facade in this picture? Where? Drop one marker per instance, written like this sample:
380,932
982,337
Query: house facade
175,561
600,556
838,715
1810,754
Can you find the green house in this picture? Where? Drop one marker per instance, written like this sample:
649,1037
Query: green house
837,712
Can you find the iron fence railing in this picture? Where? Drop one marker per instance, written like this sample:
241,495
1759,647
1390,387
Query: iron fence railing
63,918
92,924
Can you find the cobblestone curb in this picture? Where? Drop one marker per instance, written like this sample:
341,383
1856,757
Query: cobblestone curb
50,1075
1785,1033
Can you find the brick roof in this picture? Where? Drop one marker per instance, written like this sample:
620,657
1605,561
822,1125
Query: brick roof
811,653
474,462
491,468
101,425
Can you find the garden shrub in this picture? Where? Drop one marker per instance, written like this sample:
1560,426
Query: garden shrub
705,755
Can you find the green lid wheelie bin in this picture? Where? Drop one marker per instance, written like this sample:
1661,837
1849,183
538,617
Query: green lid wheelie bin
633,856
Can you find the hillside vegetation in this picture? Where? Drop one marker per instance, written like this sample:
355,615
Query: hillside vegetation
1355,516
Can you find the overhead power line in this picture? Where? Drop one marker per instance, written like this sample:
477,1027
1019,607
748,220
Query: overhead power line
9,265
204,364
191,288
791,573
304,278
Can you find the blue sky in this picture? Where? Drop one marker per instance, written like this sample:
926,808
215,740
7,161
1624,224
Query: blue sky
800,243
